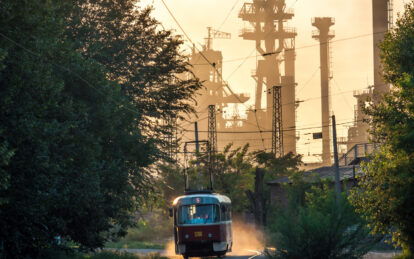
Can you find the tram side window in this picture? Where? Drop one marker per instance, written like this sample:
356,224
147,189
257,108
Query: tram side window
225,212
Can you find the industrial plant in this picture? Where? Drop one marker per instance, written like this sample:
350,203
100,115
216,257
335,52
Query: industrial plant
271,121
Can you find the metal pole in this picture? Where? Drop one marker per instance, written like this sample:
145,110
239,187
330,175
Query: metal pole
197,152
336,165
196,137
185,168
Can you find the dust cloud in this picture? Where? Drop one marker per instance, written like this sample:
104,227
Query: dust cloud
246,237
170,249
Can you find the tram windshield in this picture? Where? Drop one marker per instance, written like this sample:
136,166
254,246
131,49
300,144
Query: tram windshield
198,214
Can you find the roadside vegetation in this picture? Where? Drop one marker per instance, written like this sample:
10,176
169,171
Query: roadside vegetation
98,255
86,88
152,230
386,190
315,225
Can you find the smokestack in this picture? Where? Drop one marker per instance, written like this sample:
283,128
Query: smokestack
381,22
324,35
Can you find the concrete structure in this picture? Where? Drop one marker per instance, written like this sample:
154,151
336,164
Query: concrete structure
324,35
268,28
381,22
358,133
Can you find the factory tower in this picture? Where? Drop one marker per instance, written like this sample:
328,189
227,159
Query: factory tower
324,35
267,26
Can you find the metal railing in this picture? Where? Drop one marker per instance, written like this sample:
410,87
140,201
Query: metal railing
357,151
360,92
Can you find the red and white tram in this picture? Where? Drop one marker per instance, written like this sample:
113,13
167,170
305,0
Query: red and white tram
202,224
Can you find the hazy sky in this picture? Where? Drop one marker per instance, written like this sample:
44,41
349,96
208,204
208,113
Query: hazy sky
351,58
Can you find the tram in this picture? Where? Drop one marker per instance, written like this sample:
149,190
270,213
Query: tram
202,224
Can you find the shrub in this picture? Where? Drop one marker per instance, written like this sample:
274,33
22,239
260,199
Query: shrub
319,228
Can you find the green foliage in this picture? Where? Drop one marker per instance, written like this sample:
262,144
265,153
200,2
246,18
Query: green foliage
54,254
386,190
319,228
142,58
276,167
405,255
152,226
169,185
234,176
5,155
74,103
385,195
123,243
397,55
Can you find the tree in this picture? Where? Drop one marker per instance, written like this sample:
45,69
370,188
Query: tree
318,227
73,158
234,176
269,168
143,59
386,190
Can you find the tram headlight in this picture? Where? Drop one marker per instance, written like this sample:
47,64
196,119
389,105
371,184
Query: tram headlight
186,236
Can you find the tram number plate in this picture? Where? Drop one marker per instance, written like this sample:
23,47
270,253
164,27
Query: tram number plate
198,234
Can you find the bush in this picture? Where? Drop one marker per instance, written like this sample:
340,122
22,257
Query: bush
59,254
319,228
152,230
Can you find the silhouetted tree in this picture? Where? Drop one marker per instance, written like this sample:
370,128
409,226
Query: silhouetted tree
79,83
386,190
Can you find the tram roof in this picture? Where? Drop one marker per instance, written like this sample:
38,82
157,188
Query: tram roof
221,198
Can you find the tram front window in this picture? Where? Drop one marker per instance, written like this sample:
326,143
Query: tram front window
198,214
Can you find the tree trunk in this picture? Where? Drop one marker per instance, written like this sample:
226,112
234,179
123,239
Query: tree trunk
257,200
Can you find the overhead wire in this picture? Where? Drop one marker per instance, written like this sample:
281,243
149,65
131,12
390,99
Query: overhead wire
309,80
344,98
284,130
225,84
313,98
228,14
208,61
304,47
72,72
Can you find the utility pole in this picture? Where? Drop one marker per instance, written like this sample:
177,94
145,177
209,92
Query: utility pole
336,165
172,141
212,140
277,127
197,152
196,137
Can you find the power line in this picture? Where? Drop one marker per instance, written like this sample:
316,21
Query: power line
240,65
228,14
122,105
264,131
346,102
302,47
312,98
208,61
309,80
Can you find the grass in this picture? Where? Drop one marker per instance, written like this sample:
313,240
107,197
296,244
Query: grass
100,255
121,255
134,245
